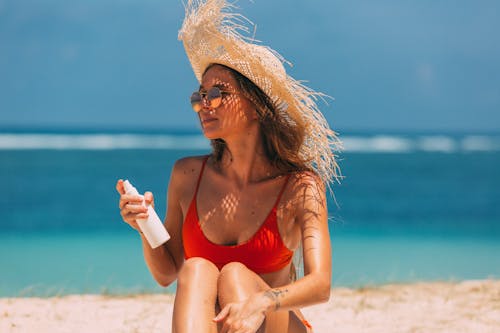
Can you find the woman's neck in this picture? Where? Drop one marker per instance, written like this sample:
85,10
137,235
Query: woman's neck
244,159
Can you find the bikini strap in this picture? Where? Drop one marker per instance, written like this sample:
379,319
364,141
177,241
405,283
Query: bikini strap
281,191
201,174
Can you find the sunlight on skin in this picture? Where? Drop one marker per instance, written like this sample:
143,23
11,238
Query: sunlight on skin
229,204
227,208
235,114
207,215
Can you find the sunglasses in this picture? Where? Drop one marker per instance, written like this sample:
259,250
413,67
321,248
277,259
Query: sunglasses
213,96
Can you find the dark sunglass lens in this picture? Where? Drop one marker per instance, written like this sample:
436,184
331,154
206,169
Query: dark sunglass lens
214,96
195,97
196,101
214,93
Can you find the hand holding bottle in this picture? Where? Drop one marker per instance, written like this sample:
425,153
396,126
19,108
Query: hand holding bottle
138,211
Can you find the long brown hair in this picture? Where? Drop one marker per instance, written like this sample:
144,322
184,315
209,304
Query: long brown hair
281,138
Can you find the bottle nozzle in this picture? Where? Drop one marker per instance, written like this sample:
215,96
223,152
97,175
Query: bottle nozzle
129,188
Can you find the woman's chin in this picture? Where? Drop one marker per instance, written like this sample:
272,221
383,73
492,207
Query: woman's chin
210,134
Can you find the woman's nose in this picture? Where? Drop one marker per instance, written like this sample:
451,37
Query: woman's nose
205,104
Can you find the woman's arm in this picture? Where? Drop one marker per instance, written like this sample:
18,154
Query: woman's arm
312,217
163,262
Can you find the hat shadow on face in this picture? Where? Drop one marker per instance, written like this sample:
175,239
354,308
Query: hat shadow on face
234,114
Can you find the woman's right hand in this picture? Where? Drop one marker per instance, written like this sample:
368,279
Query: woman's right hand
131,207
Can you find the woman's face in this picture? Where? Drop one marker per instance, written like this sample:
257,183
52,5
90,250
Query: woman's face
234,116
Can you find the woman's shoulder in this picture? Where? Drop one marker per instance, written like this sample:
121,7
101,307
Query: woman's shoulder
300,180
187,166
306,194
184,175
190,161
304,186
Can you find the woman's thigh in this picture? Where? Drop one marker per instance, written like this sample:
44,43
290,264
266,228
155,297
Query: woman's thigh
236,283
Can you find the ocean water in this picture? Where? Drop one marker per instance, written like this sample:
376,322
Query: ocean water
411,207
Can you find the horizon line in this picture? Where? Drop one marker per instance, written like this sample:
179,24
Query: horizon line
89,129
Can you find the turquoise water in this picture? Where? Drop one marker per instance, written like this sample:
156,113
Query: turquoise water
77,262
407,210
111,262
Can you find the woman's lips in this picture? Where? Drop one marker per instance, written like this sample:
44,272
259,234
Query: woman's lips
208,120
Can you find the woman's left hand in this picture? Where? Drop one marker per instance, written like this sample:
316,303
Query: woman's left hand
243,317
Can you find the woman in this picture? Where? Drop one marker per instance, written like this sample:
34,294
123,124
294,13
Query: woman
237,215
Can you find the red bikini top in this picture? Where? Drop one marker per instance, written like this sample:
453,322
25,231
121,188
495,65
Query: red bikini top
264,252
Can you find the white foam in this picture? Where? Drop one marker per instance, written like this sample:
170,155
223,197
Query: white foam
425,143
378,143
352,144
480,143
438,143
101,141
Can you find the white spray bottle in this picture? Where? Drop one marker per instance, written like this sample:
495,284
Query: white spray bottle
152,227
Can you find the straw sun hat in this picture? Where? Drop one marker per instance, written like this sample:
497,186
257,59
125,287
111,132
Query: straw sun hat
211,35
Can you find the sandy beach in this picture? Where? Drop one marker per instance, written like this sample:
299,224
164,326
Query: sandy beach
468,306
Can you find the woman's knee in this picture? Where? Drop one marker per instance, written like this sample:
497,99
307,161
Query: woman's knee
233,272
195,269
236,282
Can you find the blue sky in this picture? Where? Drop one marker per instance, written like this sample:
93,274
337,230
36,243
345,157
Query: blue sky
390,65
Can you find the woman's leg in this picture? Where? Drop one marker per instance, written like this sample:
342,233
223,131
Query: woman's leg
236,283
194,306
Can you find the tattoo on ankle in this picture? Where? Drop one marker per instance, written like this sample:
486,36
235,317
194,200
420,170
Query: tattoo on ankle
275,295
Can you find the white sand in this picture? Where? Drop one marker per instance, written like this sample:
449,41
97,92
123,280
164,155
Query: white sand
469,306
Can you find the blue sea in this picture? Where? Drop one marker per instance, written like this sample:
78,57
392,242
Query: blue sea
411,207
